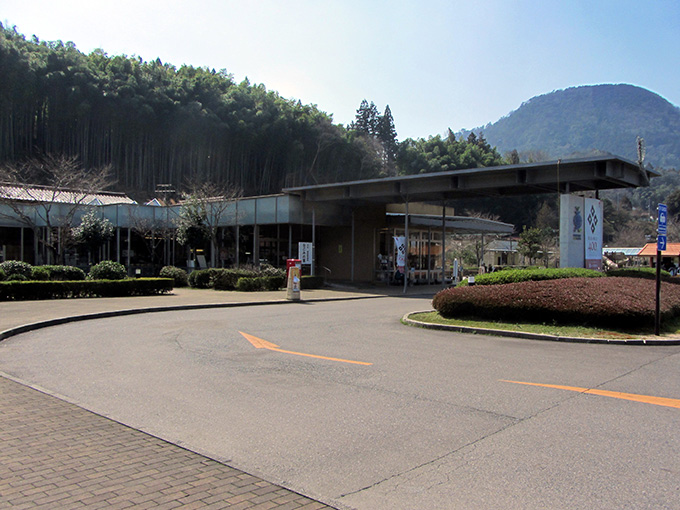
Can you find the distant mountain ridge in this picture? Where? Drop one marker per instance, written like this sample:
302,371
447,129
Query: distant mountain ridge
591,119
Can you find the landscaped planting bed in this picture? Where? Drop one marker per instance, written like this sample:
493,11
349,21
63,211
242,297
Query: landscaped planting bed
603,302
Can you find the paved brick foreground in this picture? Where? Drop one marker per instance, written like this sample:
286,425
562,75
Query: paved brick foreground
54,454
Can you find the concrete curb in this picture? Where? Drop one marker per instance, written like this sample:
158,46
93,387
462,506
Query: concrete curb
153,309
406,319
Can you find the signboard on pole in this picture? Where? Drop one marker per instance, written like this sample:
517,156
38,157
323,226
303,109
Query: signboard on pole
663,219
305,250
661,229
661,242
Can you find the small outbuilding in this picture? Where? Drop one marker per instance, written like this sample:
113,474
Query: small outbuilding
670,257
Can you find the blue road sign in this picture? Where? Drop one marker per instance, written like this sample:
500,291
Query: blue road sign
661,242
663,217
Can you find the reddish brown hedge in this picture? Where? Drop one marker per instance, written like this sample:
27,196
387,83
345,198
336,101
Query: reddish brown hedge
619,302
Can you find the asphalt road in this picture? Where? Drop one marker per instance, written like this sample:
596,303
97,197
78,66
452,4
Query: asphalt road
430,423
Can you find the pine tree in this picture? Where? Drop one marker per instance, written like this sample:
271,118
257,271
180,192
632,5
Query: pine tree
387,134
367,119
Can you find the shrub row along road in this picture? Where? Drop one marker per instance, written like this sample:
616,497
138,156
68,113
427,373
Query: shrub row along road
427,419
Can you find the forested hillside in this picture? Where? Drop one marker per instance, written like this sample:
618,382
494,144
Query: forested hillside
157,124
591,119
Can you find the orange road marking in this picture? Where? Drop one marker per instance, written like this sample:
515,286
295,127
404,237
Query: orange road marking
259,343
646,399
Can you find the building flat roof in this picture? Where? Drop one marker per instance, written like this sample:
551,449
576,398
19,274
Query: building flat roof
565,176
628,252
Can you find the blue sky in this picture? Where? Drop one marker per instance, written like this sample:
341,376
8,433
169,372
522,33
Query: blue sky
438,64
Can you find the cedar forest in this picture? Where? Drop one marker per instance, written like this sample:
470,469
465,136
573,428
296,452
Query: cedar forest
154,123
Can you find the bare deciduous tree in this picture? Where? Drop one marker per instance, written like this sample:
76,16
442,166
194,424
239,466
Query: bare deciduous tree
56,187
209,203
153,229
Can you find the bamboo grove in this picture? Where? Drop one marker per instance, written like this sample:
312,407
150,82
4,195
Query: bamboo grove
154,123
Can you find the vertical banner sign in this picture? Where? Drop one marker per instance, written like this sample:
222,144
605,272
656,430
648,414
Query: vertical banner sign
305,250
400,247
593,233
572,231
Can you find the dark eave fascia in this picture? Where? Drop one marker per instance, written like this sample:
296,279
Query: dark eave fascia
603,172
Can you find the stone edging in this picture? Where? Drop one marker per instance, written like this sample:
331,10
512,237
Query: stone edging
406,319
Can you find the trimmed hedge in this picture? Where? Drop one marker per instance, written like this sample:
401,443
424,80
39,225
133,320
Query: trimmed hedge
605,302
525,275
228,279
16,291
648,273
259,283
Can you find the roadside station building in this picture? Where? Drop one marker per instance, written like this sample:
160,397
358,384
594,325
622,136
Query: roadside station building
351,226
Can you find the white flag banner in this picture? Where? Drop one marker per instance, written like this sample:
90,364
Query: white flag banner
400,246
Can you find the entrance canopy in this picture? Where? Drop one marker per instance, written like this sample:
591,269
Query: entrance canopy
460,224
564,176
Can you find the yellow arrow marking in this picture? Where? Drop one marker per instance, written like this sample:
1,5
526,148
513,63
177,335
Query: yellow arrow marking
259,343
657,401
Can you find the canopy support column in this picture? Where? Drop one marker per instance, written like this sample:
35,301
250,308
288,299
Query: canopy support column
406,239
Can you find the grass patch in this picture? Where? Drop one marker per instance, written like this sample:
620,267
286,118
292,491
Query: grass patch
670,327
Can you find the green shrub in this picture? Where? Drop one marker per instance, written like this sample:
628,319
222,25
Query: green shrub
249,284
275,282
40,274
2,275
179,276
200,279
227,279
524,275
65,273
11,267
16,277
269,270
108,270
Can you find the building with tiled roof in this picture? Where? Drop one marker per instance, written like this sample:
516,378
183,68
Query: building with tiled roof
34,193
